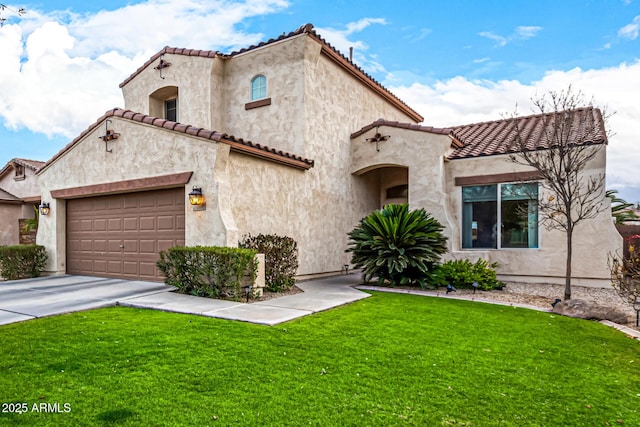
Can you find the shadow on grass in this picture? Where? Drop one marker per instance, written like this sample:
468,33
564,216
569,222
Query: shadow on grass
115,416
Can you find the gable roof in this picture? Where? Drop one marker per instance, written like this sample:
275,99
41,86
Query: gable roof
327,49
498,137
5,196
237,144
401,125
34,165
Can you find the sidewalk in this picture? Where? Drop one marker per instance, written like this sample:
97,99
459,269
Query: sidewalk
318,295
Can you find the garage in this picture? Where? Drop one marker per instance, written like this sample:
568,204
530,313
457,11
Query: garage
121,235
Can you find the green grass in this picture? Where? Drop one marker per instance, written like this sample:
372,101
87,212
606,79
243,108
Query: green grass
387,360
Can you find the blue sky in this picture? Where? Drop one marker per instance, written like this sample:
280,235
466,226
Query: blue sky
455,62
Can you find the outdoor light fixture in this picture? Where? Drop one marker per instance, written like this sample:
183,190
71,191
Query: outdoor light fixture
247,291
195,197
44,209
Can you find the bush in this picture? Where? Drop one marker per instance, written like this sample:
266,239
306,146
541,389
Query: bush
462,273
625,274
22,261
280,259
214,272
397,246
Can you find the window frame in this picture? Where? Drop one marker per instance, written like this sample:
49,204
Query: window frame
166,109
19,172
499,209
259,83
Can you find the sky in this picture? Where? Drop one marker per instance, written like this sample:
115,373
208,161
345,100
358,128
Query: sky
455,62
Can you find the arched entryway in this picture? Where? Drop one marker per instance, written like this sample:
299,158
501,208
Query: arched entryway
386,184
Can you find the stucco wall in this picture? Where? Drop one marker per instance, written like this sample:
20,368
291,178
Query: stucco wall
21,188
142,151
281,124
423,154
193,77
593,239
315,107
10,213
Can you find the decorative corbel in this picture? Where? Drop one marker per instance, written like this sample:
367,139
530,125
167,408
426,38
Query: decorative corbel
109,135
161,65
377,138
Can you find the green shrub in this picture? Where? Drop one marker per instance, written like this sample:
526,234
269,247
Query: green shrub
397,246
280,259
462,273
214,272
22,261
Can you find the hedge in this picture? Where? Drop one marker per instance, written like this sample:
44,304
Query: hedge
22,261
280,259
209,271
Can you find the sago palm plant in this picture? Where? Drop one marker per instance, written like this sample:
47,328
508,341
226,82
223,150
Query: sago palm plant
397,246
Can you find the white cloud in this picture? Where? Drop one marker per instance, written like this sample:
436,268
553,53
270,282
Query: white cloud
461,101
340,39
60,72
500,41
523,32
630,31
527,32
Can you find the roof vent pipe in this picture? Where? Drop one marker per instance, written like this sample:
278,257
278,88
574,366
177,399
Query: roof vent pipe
351,54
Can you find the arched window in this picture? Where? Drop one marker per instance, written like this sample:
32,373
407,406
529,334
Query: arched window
258,87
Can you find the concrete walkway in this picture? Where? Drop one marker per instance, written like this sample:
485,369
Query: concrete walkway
318,295
47,296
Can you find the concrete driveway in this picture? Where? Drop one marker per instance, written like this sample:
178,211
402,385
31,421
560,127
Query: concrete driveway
47,296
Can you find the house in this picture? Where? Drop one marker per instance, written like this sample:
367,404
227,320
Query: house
284,137
19,196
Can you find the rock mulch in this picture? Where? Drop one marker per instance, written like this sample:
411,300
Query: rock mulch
543,295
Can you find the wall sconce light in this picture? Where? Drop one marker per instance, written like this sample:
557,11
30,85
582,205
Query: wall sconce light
196,199
44,209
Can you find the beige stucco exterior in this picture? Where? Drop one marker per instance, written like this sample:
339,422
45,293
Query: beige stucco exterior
432,187
26,191
316,100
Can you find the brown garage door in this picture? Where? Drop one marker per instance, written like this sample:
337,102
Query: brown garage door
120,235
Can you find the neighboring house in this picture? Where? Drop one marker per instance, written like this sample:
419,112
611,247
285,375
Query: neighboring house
284,137
19,194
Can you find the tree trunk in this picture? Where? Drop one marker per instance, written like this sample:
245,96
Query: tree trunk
567,279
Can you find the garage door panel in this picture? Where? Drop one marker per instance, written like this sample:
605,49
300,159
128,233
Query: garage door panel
130,268
148,223
115,224
166,223
131,246
164,245
131,224
99,225
114,267
148,247
100,245
121,235
97,266
148,270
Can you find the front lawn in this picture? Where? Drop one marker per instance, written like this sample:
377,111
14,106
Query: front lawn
388,360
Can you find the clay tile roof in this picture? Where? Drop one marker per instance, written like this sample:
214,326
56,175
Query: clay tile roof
498,137
171,50
308,29
34,165
400,125
237,144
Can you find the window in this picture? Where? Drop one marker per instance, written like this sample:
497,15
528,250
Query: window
171,109
18,172
258,87
398,192
513,206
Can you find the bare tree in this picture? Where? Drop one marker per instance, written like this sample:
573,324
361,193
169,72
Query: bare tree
559,144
